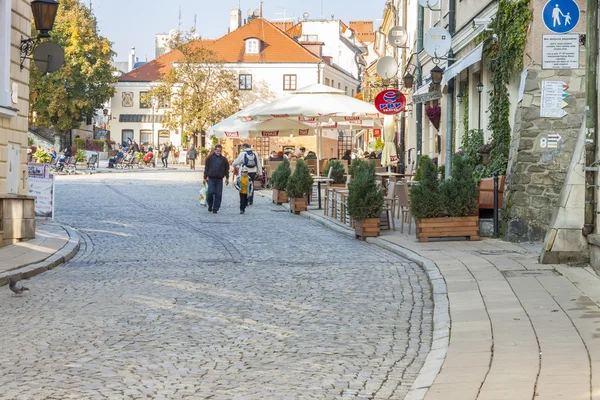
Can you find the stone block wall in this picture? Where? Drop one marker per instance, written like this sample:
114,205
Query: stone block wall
536,173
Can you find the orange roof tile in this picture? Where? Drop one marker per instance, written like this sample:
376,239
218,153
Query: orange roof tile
277,47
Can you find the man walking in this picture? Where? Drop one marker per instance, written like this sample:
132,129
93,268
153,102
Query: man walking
249,159
191,155
215,169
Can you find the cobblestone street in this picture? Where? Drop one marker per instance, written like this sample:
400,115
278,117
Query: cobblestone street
167,301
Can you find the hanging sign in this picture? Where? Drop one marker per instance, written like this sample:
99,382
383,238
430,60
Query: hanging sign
560,16
377,132
390,102
303,132
270,133
232,134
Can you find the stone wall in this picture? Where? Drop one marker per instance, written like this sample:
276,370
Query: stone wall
537,170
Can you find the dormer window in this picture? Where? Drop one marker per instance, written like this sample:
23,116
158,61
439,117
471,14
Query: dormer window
252,46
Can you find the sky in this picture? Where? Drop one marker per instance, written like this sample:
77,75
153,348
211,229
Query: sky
133,23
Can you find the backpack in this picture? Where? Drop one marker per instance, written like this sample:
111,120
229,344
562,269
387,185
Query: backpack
250,159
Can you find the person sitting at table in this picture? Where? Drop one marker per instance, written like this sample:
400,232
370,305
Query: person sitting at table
348,156
279,156
273,156
378,154
311,156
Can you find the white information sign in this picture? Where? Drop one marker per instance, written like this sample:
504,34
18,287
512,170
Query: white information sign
41,186
553,95
560,51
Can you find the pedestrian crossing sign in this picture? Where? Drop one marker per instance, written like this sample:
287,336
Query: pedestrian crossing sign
561,16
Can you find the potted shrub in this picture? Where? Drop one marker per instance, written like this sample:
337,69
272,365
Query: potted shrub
279,181
434,114
41,156
449,209
299,183
337,173
419,172
365,200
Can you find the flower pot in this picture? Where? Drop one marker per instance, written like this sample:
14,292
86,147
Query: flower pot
435,121
280,196
364,228
447,227
298,204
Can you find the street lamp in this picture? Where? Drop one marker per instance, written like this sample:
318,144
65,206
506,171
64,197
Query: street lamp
153,102
436,75
459,97
479,90
408,80
44,13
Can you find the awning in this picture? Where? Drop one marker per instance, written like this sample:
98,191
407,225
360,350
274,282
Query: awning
465,62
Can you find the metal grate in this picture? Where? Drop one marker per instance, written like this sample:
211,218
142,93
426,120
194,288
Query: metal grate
532,273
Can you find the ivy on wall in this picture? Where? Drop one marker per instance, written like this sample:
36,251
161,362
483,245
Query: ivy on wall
510,25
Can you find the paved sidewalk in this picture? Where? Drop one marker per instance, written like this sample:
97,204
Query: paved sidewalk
54,244
505,326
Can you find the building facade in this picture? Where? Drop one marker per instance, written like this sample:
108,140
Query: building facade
16,208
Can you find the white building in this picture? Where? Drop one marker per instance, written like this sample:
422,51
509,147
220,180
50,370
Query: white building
268,62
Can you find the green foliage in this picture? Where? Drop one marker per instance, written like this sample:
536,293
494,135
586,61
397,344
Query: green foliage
139,155
442,171
360,165
379,144
204,151
30,141
79,143
215,140
300,182
471,142
80,156
422,161
337,173
510,25
365,199
42,156
460,191
280,176
425,198
63,99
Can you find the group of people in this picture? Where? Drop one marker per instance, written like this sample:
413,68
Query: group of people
216,169
298,154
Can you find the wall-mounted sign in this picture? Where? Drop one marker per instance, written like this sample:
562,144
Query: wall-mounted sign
560,16
422,98
553,99
550,141
390,102
377,132
560,52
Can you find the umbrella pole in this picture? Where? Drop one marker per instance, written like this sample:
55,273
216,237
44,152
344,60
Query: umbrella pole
319,145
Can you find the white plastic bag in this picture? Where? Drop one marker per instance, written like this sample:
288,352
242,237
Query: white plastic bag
202,195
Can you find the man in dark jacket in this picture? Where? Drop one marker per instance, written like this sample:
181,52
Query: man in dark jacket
215,169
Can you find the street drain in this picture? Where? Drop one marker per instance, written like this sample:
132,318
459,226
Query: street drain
530,273
280,210
494,252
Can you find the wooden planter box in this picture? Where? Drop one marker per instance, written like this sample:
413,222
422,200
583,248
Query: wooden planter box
447,227
280,196
298,204
364,228
486,193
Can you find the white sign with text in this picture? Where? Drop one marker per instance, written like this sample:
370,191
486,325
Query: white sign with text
560,52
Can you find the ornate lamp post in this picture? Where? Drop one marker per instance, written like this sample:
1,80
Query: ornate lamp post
44,14
479,90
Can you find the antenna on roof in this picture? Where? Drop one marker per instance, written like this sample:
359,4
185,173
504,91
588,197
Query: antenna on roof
321,9
179,22
261,4
195,19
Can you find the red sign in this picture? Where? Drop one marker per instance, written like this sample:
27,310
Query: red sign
307,119
248,119
303,132
390,102
232,134
377,132
351,118
270,133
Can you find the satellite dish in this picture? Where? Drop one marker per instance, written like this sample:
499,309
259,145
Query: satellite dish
437,42
428,3
257,13
48,57
305,16
387,67
397,36
250,12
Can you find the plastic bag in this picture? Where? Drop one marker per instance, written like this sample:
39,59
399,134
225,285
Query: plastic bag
202,195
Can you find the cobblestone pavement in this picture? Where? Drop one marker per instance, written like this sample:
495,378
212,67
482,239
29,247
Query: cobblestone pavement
168,301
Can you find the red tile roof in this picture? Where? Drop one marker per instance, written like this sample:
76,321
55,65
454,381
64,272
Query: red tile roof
277,47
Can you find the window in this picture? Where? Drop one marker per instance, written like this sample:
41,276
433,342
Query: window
346,89
245,82
164,137
145,100
126,134
352,92
339,86
145,137
5,33
289,82
326,81
332,83
309,38
252,46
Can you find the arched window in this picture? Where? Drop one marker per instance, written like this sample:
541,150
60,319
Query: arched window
252,46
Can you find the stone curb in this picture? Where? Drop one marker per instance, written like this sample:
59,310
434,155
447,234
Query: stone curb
441,313
61,256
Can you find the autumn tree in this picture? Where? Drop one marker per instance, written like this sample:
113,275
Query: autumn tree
199,89
63,99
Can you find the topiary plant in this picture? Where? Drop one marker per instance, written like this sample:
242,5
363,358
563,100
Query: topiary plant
422,160
337,173
359,165
80,156
300,182
365,199
425,198
42,156
281,175
460,191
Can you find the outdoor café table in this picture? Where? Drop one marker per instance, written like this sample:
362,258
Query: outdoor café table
319,180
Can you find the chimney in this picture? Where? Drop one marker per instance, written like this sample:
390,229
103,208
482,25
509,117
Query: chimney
131,59
314,47
235,19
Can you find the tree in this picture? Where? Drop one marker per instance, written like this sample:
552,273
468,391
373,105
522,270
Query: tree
63,99
200,90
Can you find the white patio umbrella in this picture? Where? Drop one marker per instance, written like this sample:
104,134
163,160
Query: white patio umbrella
389,156
319,104
234,127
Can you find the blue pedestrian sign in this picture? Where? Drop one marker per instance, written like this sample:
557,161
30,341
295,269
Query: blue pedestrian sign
561,16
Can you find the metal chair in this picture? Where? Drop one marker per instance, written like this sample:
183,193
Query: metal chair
390,206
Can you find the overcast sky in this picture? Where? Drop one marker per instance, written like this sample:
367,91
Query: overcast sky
133,23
